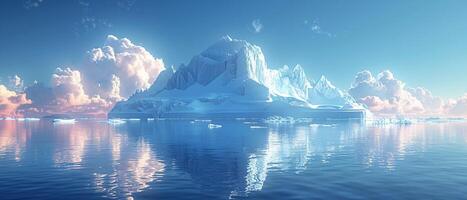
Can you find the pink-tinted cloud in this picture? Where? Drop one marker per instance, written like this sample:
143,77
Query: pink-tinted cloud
10,101
66,96
109,74
457,107
431,104
384,94
67,87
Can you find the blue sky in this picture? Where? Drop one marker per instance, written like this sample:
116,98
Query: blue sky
423,42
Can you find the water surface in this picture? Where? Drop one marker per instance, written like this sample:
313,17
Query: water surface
175,159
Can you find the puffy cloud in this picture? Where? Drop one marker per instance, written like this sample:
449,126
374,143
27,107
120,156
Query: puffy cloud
67,87
384,94
119,68
109,74
457,107
316,28
431,104
257,25
66,96
10,101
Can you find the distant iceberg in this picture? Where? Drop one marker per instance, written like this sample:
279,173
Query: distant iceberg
64,121
213,126
232,80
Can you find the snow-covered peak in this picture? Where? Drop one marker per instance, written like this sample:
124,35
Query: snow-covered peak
225,48
325,93
290,82
228,59
323,84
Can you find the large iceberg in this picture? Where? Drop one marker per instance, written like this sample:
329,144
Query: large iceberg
231,79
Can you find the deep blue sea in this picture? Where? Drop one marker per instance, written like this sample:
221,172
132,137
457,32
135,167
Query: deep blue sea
182,159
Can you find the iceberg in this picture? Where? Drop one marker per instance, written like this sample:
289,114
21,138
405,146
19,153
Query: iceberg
231,79
213,126
64,121
116,121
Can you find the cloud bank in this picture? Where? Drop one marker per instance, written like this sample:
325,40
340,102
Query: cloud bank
457,107
386,95
117,69
109,74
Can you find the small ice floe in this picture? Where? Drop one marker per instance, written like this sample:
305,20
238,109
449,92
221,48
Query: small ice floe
322,125
203,120
257,127
151,119
133,119
32,119
64,121
250,122
280,120
20,119
328,125
9,118
213,126
116,121
390,121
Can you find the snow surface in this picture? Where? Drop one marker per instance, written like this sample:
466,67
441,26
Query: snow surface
232,76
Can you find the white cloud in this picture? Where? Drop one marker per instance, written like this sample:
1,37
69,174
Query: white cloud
384,94
257,25
316,28
120,63
431,104
457,107
68,88
29,4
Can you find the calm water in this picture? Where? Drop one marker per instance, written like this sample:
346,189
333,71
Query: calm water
187,160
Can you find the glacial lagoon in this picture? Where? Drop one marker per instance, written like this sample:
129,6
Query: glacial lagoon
232,159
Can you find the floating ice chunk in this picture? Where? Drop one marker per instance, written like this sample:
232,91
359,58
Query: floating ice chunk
203,120
32,119
280,120
240,118
257,127
115,121
213,126
390,121
322,125
64,121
